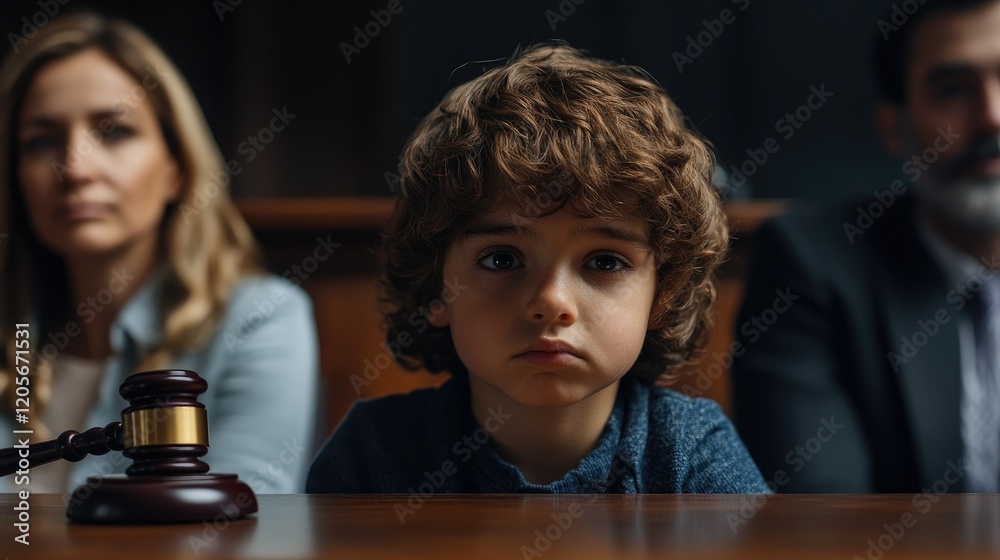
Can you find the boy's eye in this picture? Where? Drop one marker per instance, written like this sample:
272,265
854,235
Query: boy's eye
607,263
500,260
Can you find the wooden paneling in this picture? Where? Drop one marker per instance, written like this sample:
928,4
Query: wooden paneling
354,362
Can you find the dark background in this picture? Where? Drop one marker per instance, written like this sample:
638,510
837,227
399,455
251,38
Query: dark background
244,58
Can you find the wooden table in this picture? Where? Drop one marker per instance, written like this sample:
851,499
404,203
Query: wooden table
540,526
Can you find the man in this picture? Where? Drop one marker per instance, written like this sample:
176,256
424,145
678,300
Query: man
881,374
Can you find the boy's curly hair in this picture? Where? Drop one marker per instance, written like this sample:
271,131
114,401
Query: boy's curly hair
547,128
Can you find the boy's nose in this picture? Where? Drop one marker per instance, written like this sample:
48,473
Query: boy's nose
553,301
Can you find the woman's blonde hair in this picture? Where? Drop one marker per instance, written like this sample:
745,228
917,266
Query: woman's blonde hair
206,245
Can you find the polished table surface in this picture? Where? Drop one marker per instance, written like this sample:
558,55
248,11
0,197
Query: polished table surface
539,526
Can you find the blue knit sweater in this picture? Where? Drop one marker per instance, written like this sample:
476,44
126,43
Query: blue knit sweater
428,441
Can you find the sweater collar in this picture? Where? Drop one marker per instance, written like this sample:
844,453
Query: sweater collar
609,465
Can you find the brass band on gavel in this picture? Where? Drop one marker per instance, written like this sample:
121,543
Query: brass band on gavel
179,425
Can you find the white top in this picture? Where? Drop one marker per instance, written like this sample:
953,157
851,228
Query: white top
75,383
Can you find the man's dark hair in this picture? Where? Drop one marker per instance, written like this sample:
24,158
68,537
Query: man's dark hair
894,41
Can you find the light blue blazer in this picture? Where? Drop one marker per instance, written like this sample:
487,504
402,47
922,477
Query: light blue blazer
262,370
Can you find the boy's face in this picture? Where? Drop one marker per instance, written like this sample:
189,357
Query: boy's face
552,309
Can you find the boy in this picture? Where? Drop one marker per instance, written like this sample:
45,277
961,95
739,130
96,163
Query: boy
553,249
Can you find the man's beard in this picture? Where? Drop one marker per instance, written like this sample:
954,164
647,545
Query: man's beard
966,202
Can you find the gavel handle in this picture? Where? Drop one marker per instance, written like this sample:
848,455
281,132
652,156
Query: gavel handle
70,445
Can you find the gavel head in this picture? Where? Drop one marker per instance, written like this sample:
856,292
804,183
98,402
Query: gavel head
164,432
165,428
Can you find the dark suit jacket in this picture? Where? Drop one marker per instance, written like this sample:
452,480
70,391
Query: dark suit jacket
827,390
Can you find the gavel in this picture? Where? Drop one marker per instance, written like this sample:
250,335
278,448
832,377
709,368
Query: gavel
164,430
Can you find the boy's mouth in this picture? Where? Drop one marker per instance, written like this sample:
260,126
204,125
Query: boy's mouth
549,352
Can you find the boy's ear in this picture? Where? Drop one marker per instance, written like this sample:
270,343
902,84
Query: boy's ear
438,315
657,312
655,323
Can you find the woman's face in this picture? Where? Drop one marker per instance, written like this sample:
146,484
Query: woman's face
93,167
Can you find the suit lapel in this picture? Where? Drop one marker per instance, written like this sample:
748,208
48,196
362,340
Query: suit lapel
923,346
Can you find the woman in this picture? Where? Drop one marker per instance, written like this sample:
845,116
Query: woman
124,253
